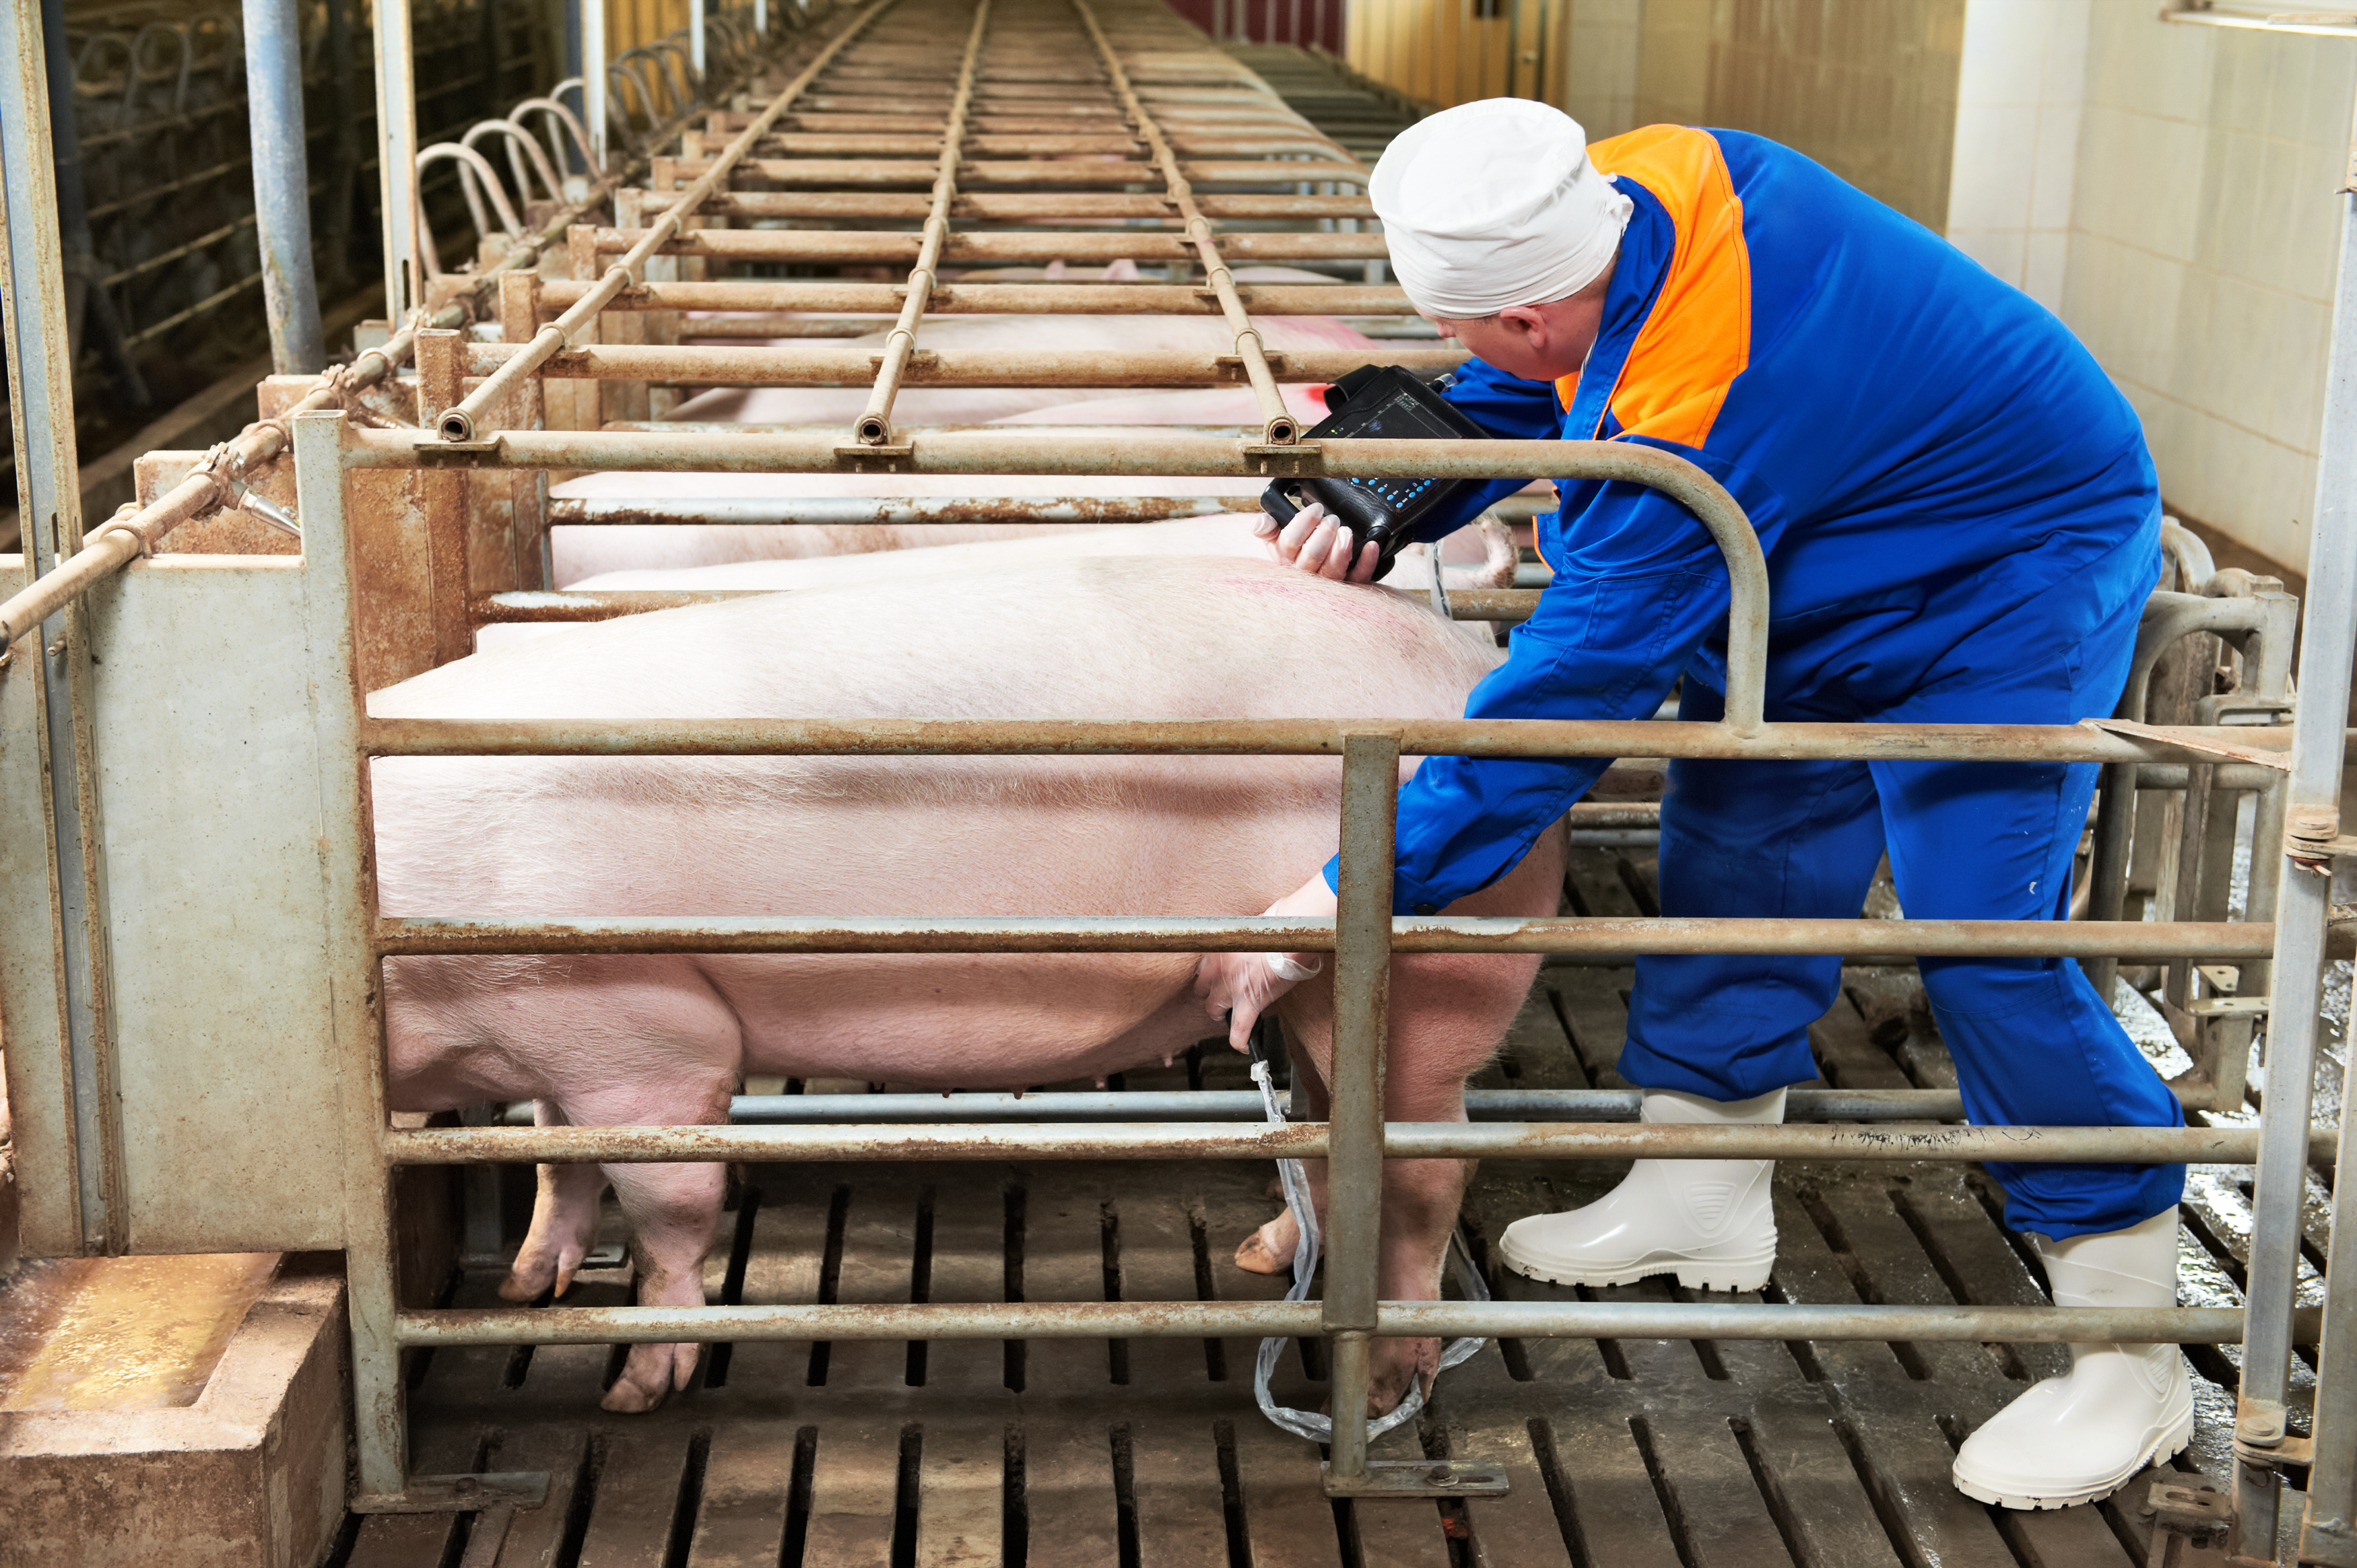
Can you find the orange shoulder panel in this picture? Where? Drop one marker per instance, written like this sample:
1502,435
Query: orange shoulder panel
1698,337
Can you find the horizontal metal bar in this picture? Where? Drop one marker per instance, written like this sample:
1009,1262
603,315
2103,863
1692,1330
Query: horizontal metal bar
822,362
1747,1320
1635,936
1307,1140
1221,1319
838,174
1032,207
967,247
997,299
1801,1105
1303,738
834,511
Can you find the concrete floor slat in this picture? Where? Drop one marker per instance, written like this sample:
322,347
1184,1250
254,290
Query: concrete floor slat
1815,1488
960,1493
1288,1521
1722,1519
748,1475
855,1493
1071,1509
638,1496
1519,1529
1614,1506
1174,1487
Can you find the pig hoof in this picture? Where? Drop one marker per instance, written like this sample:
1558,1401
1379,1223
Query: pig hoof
1269,1249
527,1280
1414,1362
649,1375
626,1398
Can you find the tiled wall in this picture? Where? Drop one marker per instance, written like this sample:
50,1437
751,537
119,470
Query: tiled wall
2203,246
2018,98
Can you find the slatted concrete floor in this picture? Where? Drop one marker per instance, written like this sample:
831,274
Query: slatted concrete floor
1627,1454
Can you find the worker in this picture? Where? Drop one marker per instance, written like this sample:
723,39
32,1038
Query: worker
1961,524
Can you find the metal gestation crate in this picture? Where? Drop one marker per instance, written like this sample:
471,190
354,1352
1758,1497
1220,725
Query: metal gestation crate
217,707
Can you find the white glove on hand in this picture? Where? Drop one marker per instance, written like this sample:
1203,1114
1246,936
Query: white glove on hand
1241,986
1314,543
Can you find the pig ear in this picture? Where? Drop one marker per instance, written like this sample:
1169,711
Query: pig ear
1122,271
1055,273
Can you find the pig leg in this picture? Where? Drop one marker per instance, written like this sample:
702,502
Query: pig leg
564,1224
666,1050
673,1209
1449,1011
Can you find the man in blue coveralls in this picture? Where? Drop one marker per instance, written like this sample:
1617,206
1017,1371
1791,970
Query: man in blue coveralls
1961,524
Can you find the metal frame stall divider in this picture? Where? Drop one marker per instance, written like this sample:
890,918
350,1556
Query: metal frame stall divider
199,874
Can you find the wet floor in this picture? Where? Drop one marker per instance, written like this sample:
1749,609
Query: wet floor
1681,1454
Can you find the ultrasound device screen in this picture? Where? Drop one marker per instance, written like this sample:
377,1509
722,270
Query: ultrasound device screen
1389,403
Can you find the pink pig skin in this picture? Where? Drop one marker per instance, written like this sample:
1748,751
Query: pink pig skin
607,1040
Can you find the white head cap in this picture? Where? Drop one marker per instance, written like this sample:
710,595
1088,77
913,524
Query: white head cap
1494,203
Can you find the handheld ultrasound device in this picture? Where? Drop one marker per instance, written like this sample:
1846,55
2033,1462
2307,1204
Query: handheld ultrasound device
1381,403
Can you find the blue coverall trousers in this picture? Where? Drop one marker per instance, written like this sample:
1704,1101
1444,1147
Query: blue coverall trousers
2033,1043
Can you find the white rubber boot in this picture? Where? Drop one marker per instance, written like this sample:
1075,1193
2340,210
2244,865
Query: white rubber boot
2080,1437
1709,1222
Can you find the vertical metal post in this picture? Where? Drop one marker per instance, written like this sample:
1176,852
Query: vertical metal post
593,79
282,186
2312,812
371,1284
762,18
2312,808
1354,1169
49,494
695,35
379,1421
396,150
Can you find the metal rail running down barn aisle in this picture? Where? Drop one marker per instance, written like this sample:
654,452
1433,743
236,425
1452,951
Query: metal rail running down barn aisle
216,708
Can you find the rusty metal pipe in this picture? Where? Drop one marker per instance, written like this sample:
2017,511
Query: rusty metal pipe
1633,936
1310,1140
1279,427
1024,452
1420,737
874,426
834,364
1028,207
953,298
458,424
834,174
836,511
1802,1105
853,248
1270,1320
1014,1320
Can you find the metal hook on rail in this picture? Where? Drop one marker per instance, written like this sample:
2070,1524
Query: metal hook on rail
474,167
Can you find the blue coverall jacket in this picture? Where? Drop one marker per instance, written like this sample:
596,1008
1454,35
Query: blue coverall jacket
1961,524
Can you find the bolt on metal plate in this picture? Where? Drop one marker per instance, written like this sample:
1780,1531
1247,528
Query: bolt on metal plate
1420,1478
